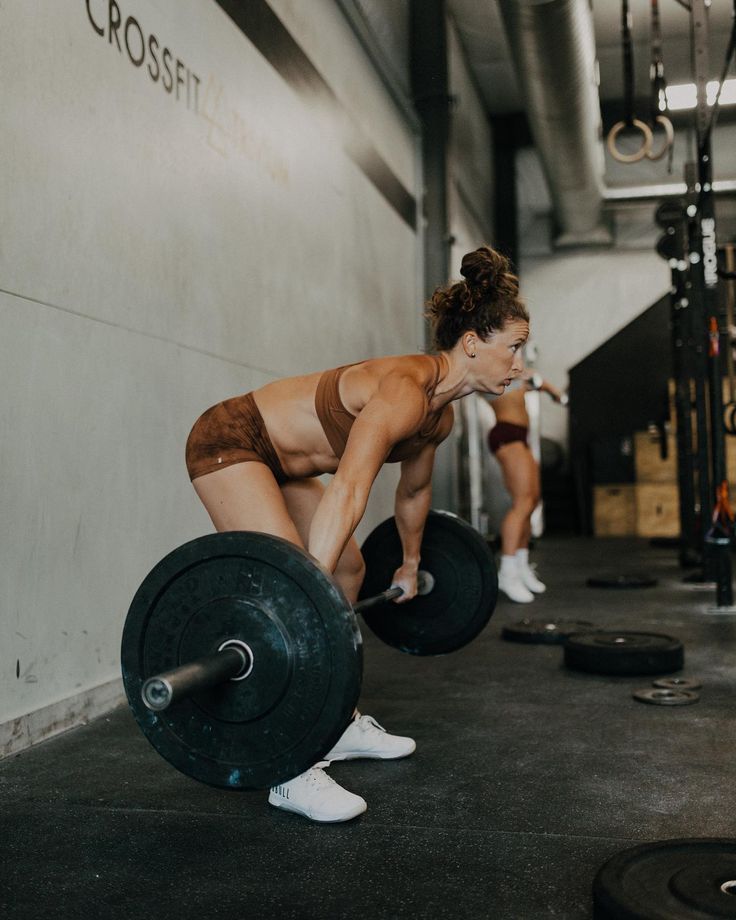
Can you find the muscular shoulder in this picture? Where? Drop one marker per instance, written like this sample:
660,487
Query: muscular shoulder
403,390
421,368
407,386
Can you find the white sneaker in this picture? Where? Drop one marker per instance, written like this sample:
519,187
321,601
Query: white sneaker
514,588
364,737
529,579
317,796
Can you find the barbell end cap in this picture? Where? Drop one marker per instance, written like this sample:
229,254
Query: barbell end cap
156,694
425,582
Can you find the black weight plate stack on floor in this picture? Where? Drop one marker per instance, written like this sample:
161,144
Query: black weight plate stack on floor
544,632
624,653
690,879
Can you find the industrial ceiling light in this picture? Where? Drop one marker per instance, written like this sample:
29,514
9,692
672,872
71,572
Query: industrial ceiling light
683,96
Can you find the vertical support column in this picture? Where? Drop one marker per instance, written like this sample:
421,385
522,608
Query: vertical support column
430,90
699,368
690,548
505,217
705,273
707,270
429,78
672,217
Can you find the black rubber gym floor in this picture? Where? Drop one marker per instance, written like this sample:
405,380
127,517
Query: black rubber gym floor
527,777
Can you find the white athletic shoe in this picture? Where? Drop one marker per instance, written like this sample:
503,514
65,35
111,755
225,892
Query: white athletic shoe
364,737
514,588
529,579
317,796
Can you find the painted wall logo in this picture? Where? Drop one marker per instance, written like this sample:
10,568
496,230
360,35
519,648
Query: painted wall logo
710,256
228,131
129,38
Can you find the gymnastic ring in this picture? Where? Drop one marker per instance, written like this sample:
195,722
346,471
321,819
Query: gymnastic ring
669,133
629,157
729,418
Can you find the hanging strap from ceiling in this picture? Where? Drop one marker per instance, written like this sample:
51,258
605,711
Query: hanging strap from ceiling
629,121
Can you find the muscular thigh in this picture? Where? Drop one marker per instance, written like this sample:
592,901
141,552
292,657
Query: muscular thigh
246,496
520,472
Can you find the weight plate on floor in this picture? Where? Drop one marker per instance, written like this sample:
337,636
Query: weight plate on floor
544,632
464,594
622,581
689,879
307,658
677,683
662,696
607,652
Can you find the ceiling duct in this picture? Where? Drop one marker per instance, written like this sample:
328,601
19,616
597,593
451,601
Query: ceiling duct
553,48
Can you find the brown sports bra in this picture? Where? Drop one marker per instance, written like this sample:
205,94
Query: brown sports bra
337,421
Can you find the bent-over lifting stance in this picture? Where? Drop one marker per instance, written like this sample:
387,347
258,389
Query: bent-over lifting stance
254,459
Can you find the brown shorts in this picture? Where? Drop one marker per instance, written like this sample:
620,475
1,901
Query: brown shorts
505,433
231,432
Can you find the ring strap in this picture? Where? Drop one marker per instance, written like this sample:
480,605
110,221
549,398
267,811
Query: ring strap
629,120
657,80
658,91
628,62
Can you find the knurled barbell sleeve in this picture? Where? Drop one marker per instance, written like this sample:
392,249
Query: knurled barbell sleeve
161,690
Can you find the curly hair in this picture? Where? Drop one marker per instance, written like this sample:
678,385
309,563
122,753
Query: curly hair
484,302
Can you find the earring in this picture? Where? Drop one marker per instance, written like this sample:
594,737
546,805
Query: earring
473,355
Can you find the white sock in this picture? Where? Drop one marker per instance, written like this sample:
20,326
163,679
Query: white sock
508,565
523,556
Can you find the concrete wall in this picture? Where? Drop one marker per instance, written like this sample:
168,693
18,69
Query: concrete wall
164,245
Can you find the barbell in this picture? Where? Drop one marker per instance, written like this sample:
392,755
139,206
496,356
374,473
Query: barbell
242,658
234,660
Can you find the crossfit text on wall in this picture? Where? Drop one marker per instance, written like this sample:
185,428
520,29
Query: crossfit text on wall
128,36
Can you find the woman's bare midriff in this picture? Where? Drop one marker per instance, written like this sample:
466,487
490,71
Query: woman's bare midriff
287,407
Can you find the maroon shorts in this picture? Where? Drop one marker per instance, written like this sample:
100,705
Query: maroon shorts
231,432
506,433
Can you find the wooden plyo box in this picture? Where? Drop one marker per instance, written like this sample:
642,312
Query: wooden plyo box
657,509
650,467
646,509
731,462
614,510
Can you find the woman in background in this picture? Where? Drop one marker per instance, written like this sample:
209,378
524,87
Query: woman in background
508,442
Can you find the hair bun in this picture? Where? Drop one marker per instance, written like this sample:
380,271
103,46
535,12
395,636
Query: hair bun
484,302
483,268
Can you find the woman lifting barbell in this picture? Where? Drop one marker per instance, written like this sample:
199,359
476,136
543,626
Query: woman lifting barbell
254,459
